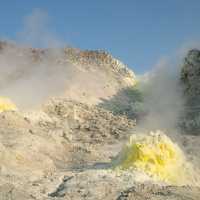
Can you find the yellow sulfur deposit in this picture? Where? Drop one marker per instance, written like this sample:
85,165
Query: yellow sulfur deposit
6,104
156,155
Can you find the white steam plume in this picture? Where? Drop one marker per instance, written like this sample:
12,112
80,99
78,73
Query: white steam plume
163,98
29,81
36,31
26,81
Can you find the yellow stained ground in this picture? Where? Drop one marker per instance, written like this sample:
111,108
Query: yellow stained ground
156,155
6,104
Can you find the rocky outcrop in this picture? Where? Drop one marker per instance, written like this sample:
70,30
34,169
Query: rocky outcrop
190,78
98,57
190,74
89,124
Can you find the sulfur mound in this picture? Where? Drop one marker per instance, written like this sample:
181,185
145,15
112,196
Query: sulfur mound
156,155
6,104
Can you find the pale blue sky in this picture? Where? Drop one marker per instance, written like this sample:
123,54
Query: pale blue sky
139,32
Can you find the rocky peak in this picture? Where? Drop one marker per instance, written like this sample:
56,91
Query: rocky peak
85,75
97,57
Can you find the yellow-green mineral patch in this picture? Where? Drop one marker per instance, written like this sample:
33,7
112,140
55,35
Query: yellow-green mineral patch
156,155
6,104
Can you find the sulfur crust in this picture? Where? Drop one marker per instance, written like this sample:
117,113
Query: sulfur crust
156,155
6,104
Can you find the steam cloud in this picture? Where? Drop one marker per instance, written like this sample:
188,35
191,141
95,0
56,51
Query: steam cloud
163,98
36,31
28,82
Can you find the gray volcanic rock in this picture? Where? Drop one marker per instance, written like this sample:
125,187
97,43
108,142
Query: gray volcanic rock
190,74
190,78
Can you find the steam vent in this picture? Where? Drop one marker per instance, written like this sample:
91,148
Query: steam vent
156,155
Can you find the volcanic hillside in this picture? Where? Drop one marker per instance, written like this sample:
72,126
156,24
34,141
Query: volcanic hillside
65,126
